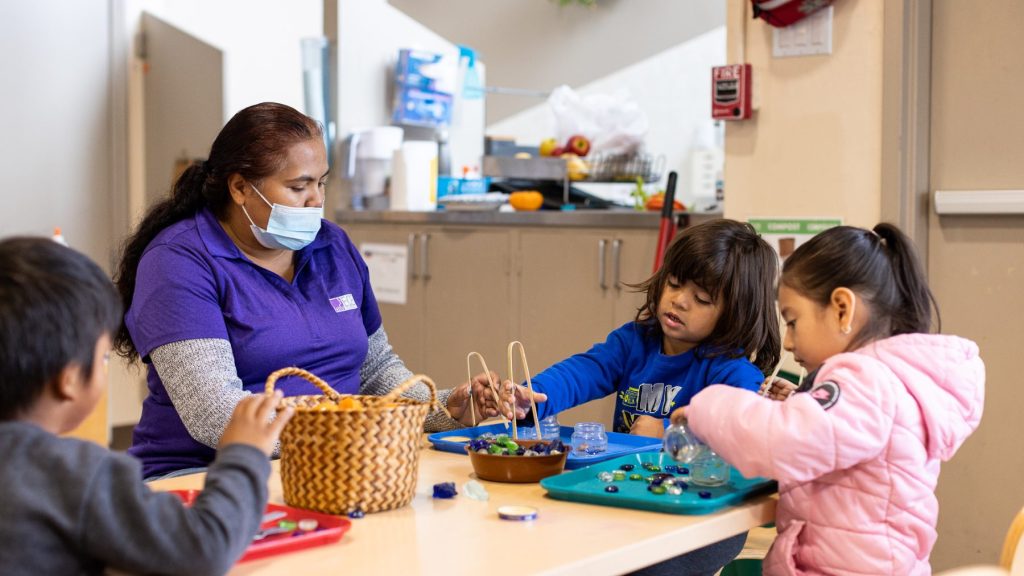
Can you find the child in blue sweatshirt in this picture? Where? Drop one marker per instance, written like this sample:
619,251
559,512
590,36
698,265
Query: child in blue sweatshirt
709,309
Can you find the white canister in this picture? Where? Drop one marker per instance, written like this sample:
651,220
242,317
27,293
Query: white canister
414,176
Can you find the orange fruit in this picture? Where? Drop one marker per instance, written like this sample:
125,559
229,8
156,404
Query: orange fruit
526,200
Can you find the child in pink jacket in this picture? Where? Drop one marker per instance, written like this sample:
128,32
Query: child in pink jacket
857,455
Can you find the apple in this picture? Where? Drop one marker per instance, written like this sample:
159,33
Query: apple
578,145
548,146
557,152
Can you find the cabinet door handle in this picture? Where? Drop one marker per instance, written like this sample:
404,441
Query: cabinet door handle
616,265
410,264
601,244
424,256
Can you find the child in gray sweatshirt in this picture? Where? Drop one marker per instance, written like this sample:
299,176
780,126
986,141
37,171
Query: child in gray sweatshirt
72,507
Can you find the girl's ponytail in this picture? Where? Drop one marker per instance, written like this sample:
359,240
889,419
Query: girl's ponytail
915,313
186,199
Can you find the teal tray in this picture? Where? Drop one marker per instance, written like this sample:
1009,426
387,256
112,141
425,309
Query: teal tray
618,443
583,485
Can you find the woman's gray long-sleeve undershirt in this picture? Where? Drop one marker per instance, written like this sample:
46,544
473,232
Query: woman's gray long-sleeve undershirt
203,383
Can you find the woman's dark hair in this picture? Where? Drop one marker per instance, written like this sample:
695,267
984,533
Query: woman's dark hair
738,269
55,304
880,265
254,144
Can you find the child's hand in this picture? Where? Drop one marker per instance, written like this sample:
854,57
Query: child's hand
250,424
678,416
779,389
648,426
484,400
519,397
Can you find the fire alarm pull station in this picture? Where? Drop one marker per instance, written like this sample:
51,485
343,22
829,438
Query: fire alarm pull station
730,92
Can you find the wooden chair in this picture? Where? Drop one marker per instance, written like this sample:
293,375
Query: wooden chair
1011,562
1012,558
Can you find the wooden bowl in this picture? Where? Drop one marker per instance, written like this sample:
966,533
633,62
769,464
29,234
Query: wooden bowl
519,469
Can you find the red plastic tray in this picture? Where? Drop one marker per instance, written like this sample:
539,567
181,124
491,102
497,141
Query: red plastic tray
330,529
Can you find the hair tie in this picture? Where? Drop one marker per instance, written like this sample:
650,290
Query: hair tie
880,239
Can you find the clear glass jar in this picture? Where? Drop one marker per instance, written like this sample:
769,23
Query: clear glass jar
550,429
709,469
681,445
589,438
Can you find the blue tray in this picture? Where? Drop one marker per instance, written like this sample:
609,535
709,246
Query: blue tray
618,443
584,486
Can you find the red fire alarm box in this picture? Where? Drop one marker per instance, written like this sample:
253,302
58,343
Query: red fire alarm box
730,92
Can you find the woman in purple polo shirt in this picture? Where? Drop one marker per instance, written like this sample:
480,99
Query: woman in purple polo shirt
235,275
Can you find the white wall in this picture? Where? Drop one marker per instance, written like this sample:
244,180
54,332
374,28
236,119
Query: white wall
55,122
673,88
260,40
538,45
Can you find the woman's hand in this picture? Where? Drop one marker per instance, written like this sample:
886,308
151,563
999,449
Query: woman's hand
458,401
484,400
250,424
678,416
648,426
779,389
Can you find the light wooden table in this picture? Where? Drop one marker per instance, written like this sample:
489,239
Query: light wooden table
464,536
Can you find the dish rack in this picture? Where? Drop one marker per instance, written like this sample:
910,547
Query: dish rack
625,168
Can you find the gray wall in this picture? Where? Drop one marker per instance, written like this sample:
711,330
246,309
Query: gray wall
55,122
536,44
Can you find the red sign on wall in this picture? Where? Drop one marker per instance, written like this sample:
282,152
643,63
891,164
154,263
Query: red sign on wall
730,92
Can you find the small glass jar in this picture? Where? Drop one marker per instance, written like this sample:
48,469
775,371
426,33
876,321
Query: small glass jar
589,438
549,428
709,469
680,444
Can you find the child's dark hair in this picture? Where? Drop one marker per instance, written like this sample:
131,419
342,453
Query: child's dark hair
254,143
738,269
55,304
880,265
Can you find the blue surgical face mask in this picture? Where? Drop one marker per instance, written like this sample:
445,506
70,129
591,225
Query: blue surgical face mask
288,228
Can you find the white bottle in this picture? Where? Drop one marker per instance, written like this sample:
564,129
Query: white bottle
58,237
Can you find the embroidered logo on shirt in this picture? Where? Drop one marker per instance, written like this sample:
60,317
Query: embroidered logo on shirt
343,303
827,394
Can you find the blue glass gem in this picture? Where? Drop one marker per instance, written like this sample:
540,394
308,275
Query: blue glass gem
626,467
671,468
357,513
611,488
445,490
684,470
705,494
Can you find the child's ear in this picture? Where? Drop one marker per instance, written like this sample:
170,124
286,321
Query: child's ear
68,383
844,303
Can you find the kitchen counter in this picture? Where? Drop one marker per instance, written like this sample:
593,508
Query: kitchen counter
548,218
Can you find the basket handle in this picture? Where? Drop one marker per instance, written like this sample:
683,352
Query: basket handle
311,378
401,388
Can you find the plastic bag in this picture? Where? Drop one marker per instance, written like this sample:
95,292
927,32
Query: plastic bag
614,123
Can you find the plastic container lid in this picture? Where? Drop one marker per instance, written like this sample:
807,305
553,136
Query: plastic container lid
517,513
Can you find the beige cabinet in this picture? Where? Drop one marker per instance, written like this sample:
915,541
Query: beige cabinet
458,295
573,284
559,290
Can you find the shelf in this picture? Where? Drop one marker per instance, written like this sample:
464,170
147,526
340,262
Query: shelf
525,168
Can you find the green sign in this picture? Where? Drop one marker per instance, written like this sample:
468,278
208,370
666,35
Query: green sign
793,226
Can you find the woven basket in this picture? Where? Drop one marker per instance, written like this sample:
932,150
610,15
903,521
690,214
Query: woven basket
336,461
